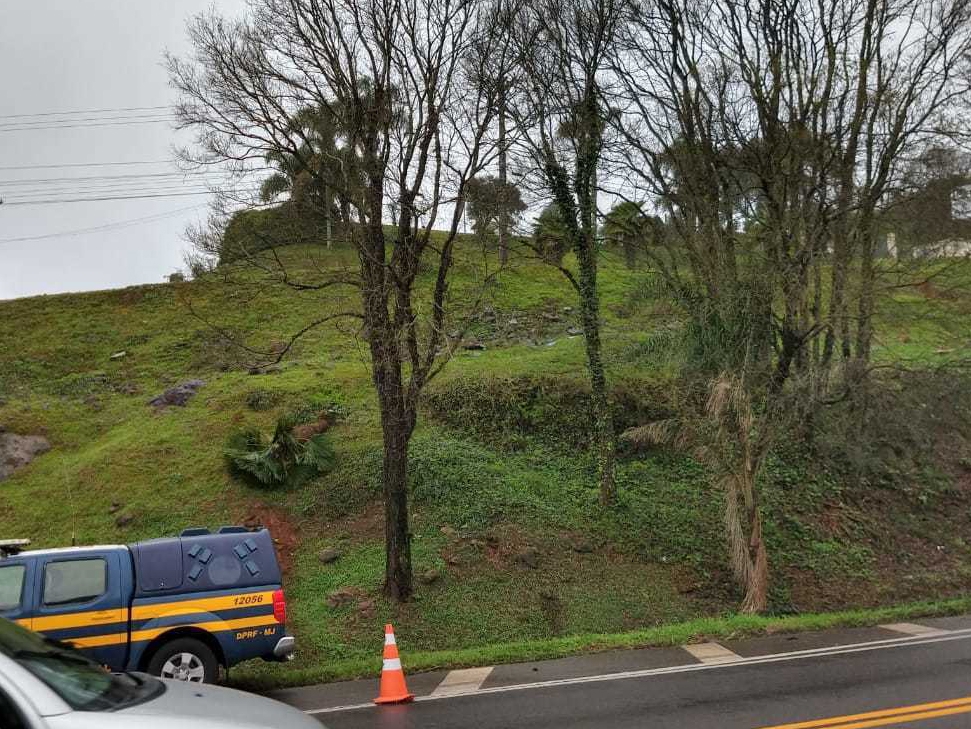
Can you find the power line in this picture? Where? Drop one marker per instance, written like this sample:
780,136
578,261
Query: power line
101,228
85,179
87,126
102,199
11,196
125,189
79,119
85,164
11,186
33,194
85,111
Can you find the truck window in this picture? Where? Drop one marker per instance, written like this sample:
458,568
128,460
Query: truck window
11,585
77,580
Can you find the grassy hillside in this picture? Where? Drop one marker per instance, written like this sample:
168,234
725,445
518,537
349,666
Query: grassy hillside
500,470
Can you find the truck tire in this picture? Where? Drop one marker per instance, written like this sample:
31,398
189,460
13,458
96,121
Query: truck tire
184,659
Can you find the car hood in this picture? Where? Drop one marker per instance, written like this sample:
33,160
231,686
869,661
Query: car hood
195,706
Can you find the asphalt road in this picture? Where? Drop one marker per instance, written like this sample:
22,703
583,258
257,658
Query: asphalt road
923,683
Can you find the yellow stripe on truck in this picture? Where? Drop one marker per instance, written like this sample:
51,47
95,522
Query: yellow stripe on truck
205,605
86,619
214,626
95,641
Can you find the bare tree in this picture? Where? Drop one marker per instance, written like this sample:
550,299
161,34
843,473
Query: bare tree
400,81
560,112
772,134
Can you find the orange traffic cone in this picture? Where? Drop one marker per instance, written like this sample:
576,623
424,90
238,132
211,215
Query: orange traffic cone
393,688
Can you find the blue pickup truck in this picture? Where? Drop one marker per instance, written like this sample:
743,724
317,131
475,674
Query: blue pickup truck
178,608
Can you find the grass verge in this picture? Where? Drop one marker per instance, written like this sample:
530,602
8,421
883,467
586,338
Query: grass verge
731,626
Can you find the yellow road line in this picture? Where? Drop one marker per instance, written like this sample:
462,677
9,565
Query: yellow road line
885,717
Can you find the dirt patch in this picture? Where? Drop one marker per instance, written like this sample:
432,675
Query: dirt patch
915,551
16,451
283,531
363,527
929,291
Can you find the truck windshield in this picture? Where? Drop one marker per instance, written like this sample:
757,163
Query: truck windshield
81,683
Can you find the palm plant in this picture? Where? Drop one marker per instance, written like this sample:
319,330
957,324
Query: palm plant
550,234
629,227
321,173
285,459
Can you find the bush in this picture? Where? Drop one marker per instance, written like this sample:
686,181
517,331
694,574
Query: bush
504,410
260,400
251,231
286,459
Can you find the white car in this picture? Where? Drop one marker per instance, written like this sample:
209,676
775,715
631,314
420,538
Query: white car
47,685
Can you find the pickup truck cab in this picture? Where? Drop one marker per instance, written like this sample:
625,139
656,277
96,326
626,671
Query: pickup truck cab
178,608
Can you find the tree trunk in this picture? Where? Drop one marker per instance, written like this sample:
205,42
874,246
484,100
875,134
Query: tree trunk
757,579
590,315
397,422
864,331
396,428
397,570
746,545
503,215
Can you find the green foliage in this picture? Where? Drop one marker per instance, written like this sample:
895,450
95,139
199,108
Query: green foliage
502,449
492,204
283,460
260,400
305,174
550,234
506,410
252,231
630,228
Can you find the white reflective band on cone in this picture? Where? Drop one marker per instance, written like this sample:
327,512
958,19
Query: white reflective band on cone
392,664
389,639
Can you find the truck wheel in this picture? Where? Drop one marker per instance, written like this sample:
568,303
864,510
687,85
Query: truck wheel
185,659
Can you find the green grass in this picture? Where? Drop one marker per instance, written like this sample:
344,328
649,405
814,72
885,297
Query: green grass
499,462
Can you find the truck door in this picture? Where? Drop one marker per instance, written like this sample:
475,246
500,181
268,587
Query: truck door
16,589
80,601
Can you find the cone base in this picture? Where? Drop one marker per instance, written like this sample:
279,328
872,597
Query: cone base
402,699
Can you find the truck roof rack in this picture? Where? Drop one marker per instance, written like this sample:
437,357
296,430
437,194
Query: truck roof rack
10,547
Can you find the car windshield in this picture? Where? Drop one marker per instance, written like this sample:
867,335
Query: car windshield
81,683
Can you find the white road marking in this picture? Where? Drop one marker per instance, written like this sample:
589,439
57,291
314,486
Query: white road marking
711,653
462,682
913,629
902,642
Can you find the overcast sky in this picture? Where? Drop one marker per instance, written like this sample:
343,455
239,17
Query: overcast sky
76,56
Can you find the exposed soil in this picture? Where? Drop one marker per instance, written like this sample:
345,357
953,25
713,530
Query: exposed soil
929,291
16,451
284,532
367,525
918,551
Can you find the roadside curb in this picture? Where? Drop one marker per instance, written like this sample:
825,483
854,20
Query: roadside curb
636,663
718,629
